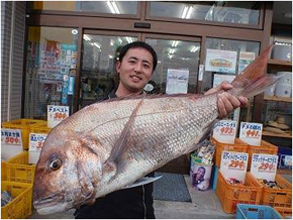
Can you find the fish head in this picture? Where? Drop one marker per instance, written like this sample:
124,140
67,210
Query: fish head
66,175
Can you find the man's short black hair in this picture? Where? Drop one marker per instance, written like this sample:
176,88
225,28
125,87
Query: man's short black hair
139,44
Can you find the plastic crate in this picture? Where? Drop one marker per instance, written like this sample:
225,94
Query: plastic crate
231,195
256,212
40,128
17,169
3,171
24,125
278,197
21,206
285,212
264,148
238,146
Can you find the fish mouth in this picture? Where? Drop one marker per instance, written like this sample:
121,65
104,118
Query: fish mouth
50,204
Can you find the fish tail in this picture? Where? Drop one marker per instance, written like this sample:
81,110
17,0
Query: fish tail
253,80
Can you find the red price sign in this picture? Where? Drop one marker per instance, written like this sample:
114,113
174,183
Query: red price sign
12,140
236,164
266,167
226,130
252,133
59,115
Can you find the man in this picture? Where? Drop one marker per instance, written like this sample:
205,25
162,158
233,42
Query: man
135,67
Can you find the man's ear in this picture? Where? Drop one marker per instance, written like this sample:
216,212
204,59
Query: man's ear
118,65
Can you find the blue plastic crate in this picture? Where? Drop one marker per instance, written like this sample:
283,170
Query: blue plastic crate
245,211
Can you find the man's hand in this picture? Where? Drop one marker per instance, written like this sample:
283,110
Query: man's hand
226,102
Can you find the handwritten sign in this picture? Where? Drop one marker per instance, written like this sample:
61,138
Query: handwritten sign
251,133
56,114
234,165
225,131
11,137
264,166
36,141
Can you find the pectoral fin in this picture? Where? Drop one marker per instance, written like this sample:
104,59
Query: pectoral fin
143,181
121,145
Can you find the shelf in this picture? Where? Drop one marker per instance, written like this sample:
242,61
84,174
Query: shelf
278,99
272,134
280,65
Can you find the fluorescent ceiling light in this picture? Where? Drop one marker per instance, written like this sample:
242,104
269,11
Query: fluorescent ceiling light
110,56
113,7
194,49
186,14
172,51
175,43
97,45
189,12
86,37
129,39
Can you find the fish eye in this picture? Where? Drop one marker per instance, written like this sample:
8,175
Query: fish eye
55,164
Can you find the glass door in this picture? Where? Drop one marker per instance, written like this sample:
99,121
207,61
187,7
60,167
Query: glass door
98,75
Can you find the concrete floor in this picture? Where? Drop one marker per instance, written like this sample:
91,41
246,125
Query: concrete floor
204,205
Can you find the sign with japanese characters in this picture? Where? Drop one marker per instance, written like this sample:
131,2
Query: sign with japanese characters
264,166
233,166
251,133
36,141
11,137
225,131
177,81
56,114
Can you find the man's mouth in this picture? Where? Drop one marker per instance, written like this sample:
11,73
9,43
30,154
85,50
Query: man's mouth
135,78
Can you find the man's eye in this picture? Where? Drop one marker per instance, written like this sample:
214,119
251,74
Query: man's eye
146,66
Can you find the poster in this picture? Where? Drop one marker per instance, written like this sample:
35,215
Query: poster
221,61
245,58
177,81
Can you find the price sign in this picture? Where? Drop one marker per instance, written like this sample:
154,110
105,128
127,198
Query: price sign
264,166
56,114
36,141
225,131
11,137
251,133
234,165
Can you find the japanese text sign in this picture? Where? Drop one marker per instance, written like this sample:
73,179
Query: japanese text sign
11,137
234,165
56,114
251,133
225,131
264,166
36,141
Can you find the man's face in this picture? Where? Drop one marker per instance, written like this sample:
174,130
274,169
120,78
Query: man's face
136,69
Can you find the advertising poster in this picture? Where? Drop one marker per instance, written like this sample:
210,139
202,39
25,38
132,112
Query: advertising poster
245,58
177,81
223,61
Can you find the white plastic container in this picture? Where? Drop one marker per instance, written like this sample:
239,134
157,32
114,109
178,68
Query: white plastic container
270,91
283,90
282,52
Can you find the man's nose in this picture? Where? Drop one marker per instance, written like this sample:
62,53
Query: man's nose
138,68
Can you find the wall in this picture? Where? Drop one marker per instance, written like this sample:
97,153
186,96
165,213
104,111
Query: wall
12,53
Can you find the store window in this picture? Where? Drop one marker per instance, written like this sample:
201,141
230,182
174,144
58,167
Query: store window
177,67
219,11
227,58
98,72
50,69
108,7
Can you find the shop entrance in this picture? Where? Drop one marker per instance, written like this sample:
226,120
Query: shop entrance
176,56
